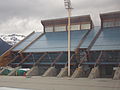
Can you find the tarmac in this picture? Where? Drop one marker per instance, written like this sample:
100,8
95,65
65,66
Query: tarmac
54,83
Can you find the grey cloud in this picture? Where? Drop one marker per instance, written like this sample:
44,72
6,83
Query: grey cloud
20,25
26,8
46,9
83,4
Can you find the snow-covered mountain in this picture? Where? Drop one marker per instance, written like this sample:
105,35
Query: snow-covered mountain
4,46
12,39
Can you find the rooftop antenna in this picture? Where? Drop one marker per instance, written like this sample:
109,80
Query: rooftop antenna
68,7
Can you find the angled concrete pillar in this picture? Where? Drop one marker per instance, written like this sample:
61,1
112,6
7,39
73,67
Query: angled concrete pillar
5,68
34,71
52,71
95,73
2,71
13,72
63,72
117,74
77,73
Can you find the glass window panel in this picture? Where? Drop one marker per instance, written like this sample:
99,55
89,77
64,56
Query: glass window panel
49,29
60,28
75,27
117,23
85,26
108,24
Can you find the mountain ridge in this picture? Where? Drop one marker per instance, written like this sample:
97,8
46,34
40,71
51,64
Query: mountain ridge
12,39
4,46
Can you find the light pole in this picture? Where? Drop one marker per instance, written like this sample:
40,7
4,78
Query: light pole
69,8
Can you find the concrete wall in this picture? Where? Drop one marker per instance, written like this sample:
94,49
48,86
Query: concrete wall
37,71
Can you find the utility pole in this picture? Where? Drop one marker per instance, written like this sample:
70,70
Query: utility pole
69,8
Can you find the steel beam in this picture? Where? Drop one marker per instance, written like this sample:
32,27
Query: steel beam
24,59
99,58
37,62
31,43
57,58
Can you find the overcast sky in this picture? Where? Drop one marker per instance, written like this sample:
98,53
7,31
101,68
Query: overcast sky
24,16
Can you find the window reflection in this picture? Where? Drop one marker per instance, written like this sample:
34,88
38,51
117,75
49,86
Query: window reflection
117,23
108,24
60,28
85,26
75,27
49,29
111,23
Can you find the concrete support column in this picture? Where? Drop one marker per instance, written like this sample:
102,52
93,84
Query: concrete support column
63,72
117,74
95,73
2,71
5,68
34,71
13,72
52,71
78,72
